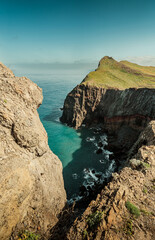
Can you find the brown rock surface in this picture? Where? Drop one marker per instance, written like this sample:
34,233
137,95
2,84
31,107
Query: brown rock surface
133,185
112,107
31,183
123,114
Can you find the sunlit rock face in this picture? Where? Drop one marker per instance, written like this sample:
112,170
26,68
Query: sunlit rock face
31,183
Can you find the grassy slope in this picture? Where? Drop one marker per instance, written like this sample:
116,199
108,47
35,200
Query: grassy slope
121,75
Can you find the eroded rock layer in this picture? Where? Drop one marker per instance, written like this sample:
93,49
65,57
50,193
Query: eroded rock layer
112,107
31,183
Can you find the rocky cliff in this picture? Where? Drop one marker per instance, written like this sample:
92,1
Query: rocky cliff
125,207
31,183
88,104
123,112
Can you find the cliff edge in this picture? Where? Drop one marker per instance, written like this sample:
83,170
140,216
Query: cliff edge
120,96
31,183
125,207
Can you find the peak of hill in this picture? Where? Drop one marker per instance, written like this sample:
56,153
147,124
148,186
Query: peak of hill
5,71
120,75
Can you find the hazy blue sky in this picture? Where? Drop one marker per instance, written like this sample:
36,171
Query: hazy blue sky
76,30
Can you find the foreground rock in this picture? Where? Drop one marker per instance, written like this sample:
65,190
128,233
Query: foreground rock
125,207
31,183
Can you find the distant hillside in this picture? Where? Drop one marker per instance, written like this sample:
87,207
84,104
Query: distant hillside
120,75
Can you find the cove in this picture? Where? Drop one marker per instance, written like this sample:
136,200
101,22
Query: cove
76,149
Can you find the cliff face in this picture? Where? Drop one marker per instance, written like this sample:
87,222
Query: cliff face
31,183
122,112
112,107
125,207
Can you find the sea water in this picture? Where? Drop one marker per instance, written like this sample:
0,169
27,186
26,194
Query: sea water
75,148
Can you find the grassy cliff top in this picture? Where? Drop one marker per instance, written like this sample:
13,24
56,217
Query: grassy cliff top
120,75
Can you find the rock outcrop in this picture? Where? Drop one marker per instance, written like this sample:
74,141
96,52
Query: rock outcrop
31,183
112,107
123,113
125,207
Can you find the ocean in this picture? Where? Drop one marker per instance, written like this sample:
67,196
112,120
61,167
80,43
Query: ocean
76,149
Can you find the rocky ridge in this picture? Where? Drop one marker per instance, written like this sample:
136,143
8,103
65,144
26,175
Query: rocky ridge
135,184
121,113
31,183
125,207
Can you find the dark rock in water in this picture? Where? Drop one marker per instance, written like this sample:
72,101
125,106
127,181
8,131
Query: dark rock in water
111,156
97,130
89,188
98,175
88,139
99,151
100,144
93,171
83,190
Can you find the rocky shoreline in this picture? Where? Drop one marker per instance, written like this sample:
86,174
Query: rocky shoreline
127,118
32,194
134,184
108,216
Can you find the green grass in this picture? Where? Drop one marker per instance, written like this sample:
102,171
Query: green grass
26,235
145,190
146,165
85,235
120,75
145,212
132,209
94,219
145,69
128,227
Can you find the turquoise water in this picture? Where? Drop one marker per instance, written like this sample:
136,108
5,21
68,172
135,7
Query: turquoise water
62,140
76,152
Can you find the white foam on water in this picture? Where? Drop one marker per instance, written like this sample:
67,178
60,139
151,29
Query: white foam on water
110,169
90,139
74,199
57,119
108,152
75,176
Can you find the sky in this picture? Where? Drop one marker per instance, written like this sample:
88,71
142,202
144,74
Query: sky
76,31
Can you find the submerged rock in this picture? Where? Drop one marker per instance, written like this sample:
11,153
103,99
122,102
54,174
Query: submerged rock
100,144
99,151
